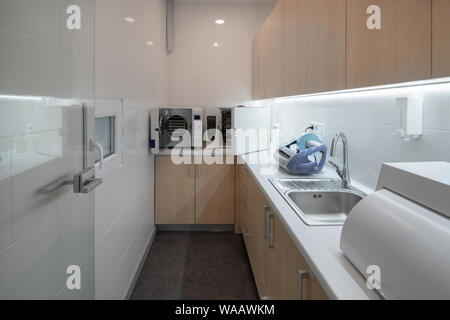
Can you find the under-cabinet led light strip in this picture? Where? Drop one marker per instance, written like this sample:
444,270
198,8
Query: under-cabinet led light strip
415,88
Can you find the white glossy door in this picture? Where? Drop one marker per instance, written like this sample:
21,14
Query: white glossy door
46,74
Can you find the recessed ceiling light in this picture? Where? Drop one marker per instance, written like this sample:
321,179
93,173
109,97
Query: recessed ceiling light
150,43
216,44
130,19
220,21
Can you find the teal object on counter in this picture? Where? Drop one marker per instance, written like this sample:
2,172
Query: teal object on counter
304,138
299,161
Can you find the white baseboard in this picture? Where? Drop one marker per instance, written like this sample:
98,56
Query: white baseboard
135,278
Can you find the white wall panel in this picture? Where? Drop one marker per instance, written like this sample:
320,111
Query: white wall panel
371,121
129,69
207,76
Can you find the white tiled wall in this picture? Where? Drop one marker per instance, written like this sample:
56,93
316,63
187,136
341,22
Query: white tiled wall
40,142
206,76
128,70
371,121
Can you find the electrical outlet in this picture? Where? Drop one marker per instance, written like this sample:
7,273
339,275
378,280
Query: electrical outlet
318,129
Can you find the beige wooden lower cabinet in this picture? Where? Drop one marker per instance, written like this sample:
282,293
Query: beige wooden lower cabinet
214,195
174,192
278,267
193,194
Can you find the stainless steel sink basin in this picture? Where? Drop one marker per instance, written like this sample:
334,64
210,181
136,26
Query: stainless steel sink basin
319,202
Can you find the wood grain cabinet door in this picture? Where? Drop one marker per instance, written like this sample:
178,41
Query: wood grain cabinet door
214,194
294,48
314,46
256,84
260,68
292,278
441,42
324,24
399,51
263,62
275,29
174,192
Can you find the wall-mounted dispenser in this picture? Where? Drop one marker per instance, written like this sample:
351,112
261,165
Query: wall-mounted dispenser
411,123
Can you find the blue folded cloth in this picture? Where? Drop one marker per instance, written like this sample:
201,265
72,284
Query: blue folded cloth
300,164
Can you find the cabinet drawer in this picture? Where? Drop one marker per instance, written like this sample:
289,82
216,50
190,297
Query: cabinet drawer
278,267
245,234
248,187
244,210
174,192
245,180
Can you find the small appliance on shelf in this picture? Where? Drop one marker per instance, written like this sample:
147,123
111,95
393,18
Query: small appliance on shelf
176,128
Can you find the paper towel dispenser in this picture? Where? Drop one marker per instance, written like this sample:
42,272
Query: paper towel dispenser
403,230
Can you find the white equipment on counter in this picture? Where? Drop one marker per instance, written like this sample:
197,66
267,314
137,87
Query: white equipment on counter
249,124
403,231
176,128
197,128
217,120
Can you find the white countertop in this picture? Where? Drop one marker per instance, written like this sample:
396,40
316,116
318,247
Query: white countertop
196,152
319,245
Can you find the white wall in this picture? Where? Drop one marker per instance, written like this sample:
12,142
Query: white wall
203,75
371,121
128,69
41,142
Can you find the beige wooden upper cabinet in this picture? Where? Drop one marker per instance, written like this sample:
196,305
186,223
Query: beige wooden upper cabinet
275,47
441,42
397,52
294,48
259,64
267,55
256,83
314,46
324,23
215,194
174,192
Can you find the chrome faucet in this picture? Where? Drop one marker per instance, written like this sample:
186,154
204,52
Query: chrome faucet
344,172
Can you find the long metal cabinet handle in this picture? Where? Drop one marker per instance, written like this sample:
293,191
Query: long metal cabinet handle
244,170
301,276
271,217
198,170
266,210
190,170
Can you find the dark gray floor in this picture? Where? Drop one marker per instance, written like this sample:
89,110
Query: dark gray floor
196,266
